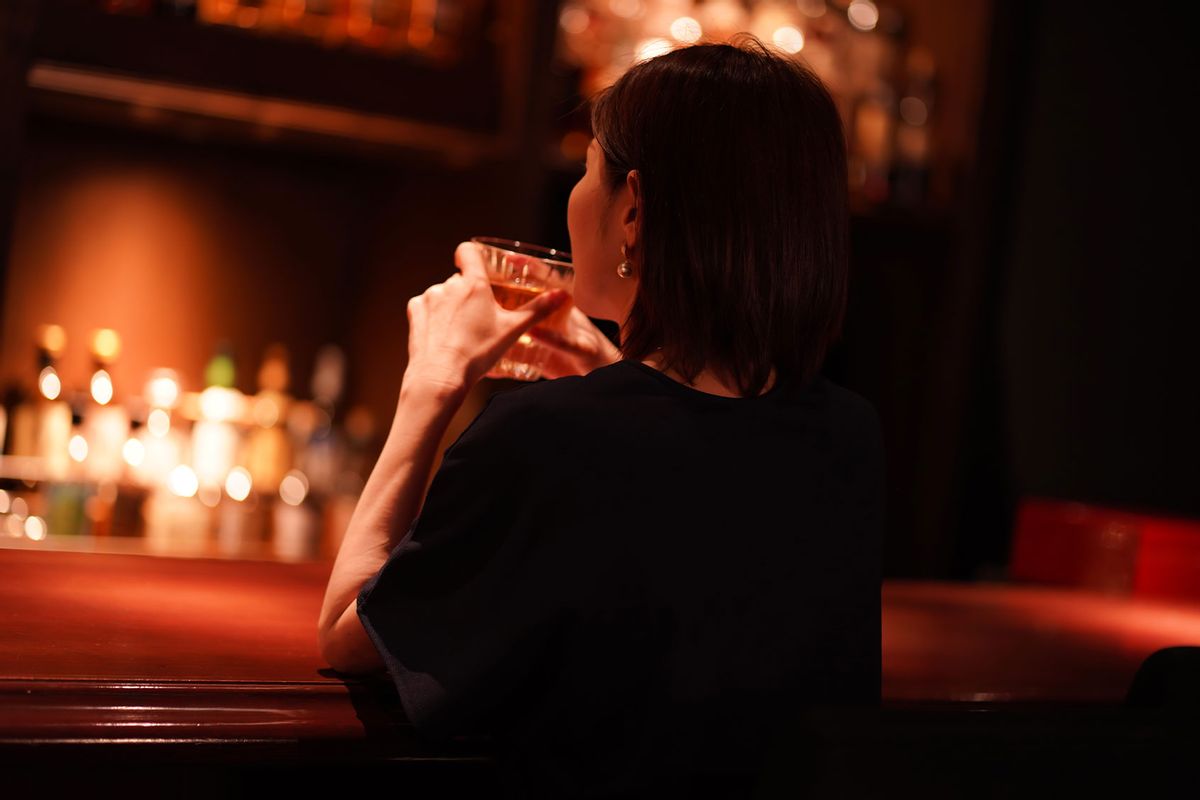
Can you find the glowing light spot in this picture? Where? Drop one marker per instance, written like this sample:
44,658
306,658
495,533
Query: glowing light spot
102,387
238,484
525,339
788,39
210,495
78,448
20,509
863,14
218,404
49,384
913,111
134,452
35,528
106,345
14,527
625,8
158,423
686,30
652,48
162,390
574,145
574,20
52,339
5,502
293,488
183,481
266,412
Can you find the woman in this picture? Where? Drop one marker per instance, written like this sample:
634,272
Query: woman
634,574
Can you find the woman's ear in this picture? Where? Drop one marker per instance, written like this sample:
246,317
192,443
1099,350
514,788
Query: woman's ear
632,219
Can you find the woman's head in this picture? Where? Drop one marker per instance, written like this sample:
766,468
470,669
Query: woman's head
722,169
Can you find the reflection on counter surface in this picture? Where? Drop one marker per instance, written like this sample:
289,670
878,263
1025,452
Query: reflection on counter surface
169,471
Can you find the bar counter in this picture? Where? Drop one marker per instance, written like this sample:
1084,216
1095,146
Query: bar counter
164,661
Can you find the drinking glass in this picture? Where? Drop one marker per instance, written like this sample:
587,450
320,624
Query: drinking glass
519,272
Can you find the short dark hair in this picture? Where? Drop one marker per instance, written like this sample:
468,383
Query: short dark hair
743,211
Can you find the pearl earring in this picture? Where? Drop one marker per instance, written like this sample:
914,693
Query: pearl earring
625,268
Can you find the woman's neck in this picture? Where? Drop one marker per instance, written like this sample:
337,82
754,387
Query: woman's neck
706,381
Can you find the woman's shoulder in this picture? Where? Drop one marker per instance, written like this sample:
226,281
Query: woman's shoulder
595,388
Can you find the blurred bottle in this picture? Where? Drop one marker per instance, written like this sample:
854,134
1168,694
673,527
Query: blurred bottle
215,437
160,446
105,426
268,453
47,419
321,447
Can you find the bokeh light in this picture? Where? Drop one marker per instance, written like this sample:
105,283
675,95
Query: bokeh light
183,481
238,484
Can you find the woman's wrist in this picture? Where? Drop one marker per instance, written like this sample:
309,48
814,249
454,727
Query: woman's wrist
443,390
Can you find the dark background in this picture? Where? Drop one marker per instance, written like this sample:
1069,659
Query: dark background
1031,337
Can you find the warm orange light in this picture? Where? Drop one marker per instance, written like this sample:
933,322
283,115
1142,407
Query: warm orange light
574,20
266,412
78,448
162,390
49,383
102,387
14,527
210,495
239,483
35,528
574,145
106,345
52,339
134,452
293,488
863,14
218,404
183,481
158,423
625,8
20,509
686,30
652,48
788,39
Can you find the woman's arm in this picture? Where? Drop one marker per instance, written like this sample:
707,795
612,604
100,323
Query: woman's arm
389,504
456,332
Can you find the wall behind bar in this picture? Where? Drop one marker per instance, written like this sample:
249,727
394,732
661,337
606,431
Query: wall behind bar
182,245
175,247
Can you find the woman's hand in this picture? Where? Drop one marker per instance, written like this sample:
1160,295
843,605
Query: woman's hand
457,331
583,347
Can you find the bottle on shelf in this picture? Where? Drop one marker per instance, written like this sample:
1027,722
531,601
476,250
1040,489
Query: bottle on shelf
268,452
105,427
49,417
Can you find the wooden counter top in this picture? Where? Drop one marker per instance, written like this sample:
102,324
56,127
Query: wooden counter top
97,647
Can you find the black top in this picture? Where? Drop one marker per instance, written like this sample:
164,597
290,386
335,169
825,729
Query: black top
631,583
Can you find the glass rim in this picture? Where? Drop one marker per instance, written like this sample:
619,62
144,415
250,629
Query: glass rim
550,255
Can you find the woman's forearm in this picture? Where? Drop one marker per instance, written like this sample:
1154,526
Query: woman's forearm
389,503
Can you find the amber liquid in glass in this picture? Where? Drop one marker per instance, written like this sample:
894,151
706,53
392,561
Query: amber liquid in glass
511,295
520,360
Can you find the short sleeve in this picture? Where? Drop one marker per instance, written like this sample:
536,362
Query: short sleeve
463,608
